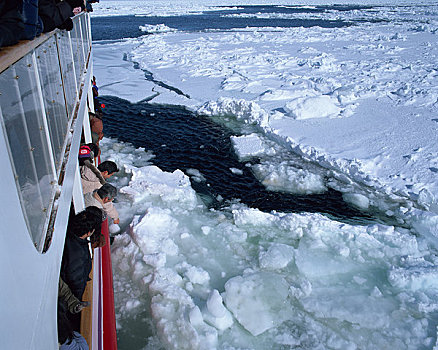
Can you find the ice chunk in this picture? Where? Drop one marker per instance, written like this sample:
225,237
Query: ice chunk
354,306
195,316
284,178
236,171
248,145
415,278
215,313
276,257
256,300
356,199
206,230
214,304
114,228
249,112
151,182
313,107
156,28
197,275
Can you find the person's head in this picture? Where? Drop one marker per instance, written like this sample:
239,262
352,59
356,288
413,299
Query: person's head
84,223
107,193
96,215
94,149
107,168
88,152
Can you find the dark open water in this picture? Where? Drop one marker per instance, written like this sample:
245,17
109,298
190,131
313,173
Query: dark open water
118,27
182,140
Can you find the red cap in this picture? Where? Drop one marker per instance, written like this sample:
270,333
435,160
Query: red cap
84,152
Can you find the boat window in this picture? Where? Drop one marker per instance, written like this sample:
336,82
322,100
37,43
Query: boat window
38,98
67,70
78,49
53,95
25,128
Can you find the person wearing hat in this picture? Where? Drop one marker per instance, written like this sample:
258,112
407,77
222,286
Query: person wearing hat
102,198
85,157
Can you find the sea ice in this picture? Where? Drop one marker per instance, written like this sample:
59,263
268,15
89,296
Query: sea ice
216,314
248,146
313,107
284,178
358,200
290,280
256,300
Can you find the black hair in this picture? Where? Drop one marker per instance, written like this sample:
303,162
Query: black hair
94,148
97,213
109,166
107,190
82,161
85,221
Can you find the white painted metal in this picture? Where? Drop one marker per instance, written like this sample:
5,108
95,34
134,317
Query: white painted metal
29,287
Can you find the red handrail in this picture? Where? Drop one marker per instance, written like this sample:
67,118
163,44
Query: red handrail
109,315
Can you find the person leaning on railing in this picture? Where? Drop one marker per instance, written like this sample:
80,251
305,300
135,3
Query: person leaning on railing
56,14
27,19
76,259
11,23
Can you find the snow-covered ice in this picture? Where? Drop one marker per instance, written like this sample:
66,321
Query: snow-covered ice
359,104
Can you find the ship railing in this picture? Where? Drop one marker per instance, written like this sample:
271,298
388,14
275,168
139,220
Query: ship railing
45,96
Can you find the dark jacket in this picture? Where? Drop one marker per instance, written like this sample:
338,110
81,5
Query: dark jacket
54,14
11,22
33,24
76,264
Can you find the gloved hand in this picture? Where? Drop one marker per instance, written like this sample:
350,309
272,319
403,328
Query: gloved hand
67,25
78,308
76,3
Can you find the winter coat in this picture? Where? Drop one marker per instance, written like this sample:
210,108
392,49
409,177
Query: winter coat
96,126
33,24
107,208
76,264
90,181
11,22
54,14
